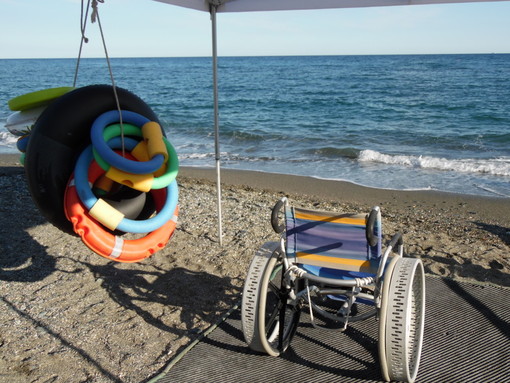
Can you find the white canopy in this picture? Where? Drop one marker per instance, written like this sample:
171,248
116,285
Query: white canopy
280,5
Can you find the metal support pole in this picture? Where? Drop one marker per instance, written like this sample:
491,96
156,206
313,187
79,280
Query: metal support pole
216,121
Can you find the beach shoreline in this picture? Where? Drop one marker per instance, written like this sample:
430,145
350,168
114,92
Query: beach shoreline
69,315
345,191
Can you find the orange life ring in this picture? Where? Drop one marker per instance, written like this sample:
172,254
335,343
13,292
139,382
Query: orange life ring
103,242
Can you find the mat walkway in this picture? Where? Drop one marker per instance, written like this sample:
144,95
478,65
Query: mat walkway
467,339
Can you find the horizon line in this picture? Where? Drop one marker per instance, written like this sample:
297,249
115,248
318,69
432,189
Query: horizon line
282,55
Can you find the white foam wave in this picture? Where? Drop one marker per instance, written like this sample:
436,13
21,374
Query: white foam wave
195,156
495,166
8,139
225,157
493,191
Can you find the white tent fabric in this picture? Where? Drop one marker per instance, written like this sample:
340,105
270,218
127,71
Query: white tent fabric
280,5
215,6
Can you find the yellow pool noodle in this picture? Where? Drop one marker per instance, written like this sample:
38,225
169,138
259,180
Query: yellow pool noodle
104,183
160,171
105,213
141,153
153,136
141,182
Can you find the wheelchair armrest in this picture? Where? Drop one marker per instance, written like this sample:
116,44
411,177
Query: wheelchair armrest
396,240
277,227
372,219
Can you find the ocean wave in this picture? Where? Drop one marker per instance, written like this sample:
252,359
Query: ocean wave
332,152
8,139
493,166
225,157
195,156
492,190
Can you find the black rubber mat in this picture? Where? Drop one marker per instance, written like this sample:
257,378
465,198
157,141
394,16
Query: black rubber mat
467,339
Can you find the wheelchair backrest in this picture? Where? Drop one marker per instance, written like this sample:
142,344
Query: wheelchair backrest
333,241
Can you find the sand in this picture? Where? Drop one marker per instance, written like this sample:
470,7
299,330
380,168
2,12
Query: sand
69,315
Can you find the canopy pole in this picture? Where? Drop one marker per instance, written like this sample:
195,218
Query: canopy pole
216,120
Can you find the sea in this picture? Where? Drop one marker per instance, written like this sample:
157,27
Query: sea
406,122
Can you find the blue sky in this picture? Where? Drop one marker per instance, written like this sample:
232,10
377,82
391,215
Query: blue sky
146,28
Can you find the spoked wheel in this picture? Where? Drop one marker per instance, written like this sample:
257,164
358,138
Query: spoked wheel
402,320
269,321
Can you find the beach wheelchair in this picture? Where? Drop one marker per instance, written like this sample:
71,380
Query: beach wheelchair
333,266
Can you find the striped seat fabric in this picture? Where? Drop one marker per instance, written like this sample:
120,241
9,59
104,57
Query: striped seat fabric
324,243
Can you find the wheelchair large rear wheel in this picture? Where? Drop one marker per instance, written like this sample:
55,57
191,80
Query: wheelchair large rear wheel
268,320
402,320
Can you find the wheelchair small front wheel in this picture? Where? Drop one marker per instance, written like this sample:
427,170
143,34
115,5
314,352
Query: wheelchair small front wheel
269,322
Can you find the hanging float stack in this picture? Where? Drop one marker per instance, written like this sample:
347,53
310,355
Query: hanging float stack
121,181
